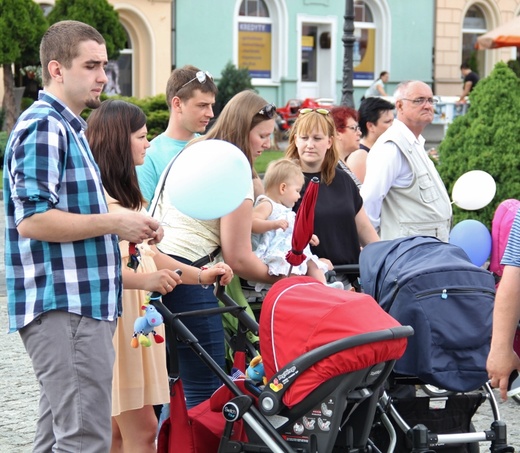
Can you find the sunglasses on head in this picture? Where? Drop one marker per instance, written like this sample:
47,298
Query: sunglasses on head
269,111
201,76
320,111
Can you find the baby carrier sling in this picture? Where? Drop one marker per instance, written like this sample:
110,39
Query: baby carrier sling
433,287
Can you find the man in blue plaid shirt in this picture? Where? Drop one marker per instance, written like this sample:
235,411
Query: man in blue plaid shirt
62,257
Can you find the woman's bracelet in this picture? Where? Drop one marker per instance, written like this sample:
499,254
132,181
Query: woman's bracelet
203,268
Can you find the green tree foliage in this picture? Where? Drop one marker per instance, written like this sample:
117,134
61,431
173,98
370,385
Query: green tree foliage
154,107
98,13
22,25
515,66
233,81
486,138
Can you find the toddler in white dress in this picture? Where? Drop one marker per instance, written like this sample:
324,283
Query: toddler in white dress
273,223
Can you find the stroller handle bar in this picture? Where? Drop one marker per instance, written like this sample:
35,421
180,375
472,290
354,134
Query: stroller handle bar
173,321
242,316
350,269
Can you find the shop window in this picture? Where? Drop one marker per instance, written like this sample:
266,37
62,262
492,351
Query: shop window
473,26
309,53
253,8
255,39
364,52
120,72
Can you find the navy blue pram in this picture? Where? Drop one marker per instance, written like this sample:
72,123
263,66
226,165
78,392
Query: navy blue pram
433,287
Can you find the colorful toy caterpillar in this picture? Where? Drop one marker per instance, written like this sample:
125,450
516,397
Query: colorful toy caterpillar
144,325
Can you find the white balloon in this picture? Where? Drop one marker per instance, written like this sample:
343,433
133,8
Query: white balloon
474,190
209,179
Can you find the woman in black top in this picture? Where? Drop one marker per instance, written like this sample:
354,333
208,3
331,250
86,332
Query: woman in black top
340,222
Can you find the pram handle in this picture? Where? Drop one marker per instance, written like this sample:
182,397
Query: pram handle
173,321
242,316
290,372
350,269
230,307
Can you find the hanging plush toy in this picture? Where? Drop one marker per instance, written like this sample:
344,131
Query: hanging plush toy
144,325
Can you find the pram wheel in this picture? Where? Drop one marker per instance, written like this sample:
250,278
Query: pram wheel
431,390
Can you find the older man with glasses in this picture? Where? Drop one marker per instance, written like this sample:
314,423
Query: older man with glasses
403,193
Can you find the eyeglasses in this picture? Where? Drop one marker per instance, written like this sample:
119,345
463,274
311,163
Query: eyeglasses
321,111
422,101
269,111
353,128
201,76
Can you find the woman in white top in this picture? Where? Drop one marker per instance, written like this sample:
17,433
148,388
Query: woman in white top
247,121
378,87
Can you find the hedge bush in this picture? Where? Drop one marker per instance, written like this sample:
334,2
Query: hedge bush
154,107
486,138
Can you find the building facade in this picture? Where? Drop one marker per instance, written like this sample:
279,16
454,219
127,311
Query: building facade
145,65
458,24
294,48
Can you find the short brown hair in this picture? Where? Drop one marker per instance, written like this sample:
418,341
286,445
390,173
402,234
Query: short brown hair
61,43
280,171
178,84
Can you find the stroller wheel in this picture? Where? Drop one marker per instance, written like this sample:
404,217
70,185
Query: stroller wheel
433,391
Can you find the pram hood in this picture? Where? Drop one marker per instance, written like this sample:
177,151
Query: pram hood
385,265
433,287
300,314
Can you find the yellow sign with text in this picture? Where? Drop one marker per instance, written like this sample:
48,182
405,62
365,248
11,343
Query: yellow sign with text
254,49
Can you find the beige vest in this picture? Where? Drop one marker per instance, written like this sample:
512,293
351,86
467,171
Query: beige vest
424,207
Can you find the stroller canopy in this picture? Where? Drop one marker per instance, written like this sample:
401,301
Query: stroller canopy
433,287
300,314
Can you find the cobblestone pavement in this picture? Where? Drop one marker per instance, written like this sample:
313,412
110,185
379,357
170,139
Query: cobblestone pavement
19,389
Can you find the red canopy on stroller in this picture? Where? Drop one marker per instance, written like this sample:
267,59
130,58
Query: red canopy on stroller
300,314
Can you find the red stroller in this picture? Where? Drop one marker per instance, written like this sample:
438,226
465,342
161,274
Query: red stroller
326,354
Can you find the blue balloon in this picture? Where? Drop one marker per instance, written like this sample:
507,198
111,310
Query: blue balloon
474,238
209,179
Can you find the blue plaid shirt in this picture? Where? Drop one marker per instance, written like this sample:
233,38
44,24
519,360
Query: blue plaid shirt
48,165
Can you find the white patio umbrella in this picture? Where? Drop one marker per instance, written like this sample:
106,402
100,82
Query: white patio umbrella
505,35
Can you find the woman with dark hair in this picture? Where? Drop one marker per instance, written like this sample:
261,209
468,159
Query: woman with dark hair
247,121
340,221
376,115
117,136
